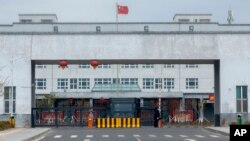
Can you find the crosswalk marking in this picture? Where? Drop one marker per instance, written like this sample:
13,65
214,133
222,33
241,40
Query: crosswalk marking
86,140
73,136
89,136
200,136
136,135
120,136
190,140
105,136
214,136
152,136
169,136
184,136
57,136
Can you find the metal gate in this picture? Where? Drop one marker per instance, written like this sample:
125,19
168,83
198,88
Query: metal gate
62,116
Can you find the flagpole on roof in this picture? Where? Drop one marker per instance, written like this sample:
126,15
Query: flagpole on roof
116,17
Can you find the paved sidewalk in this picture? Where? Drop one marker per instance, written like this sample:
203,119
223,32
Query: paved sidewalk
22,134
221,130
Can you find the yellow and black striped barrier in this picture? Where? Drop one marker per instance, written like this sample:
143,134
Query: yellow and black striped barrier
118,123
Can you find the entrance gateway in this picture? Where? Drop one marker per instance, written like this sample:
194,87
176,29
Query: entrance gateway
21,51
124,101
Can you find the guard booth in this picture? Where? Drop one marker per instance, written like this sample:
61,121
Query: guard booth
126,107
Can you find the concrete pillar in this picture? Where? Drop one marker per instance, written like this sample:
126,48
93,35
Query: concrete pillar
217,111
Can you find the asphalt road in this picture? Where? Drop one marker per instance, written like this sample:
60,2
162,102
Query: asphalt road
132,134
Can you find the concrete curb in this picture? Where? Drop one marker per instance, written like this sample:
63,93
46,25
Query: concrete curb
37,136
217,131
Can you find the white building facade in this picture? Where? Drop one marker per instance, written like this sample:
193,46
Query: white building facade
168,60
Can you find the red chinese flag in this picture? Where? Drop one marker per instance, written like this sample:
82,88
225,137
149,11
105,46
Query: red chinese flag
122,9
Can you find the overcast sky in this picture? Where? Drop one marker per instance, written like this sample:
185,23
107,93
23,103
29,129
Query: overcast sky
139,10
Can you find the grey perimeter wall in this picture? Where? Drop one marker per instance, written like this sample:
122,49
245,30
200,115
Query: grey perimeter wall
233,51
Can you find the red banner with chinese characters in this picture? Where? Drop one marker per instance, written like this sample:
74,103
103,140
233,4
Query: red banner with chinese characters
183,116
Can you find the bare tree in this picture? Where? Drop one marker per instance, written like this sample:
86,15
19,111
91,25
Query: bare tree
3,80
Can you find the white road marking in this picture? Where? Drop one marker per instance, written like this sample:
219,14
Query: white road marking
184,136
169,136
200,136
105,136
214,136
57,136
89,136
86,140
121,136
190,140
73,136
40,138
152,136
136,135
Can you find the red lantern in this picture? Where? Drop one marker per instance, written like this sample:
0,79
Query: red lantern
94,63
63,64
211,97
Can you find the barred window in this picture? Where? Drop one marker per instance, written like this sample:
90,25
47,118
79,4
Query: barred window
83,83
73,83
241,99
168,83
192,83
62,83
148,83
40,83
9,99
132,66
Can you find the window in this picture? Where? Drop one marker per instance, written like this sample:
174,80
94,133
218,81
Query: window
191,28
168,83
55,28
241,99
46,21
41,83
148,83
129,66
73,83
84,66
204,20
148,66
183,20
62,83
104,66
26,21
168,65
102,80
146,28
158,83
191,83
191,65
83,83
98,29
40,66
129,81
9,99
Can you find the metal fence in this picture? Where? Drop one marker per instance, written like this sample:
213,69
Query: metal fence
65,116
